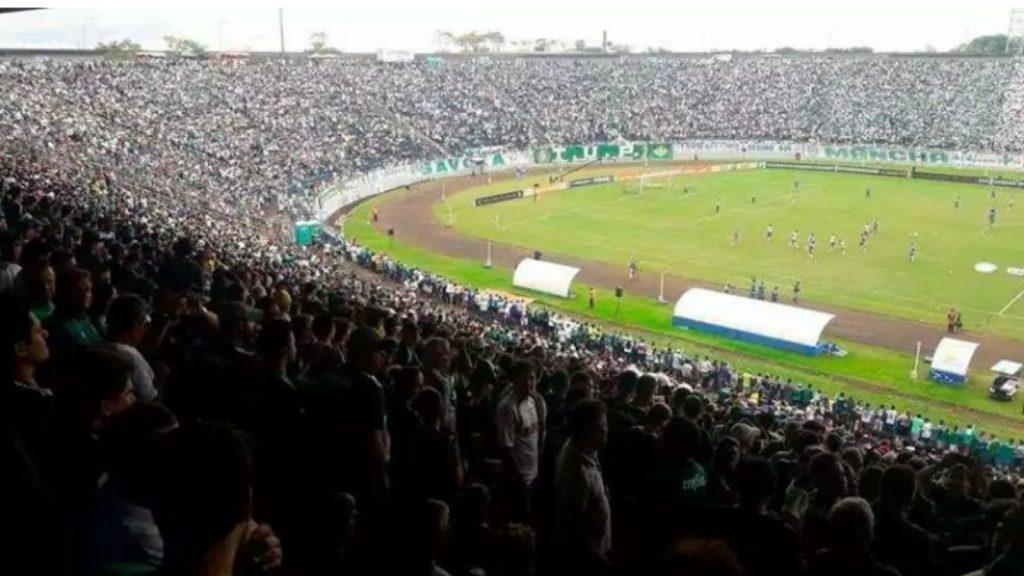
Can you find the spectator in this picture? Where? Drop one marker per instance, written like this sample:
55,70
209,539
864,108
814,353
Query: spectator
473,536
204,511
828,485
10,255
26,442
40,287
899,542
679,493
518,424
582,522
126,327
763,543
365,416
1011,559
430,467
437,358
406,354
514,552
723,470
70,326
851,525
124,532
28,408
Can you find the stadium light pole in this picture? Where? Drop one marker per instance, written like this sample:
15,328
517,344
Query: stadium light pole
280,27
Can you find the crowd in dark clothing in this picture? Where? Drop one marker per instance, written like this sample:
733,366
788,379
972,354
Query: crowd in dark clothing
183,395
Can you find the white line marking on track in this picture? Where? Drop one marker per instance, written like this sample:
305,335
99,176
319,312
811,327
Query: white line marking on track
1011,302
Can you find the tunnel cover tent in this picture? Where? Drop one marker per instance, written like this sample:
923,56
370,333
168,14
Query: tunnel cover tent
751,320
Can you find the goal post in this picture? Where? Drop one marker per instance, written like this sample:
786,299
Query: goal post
650,182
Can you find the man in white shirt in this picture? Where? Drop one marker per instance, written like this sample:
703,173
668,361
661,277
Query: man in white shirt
926,432
126,327
890,420
519,433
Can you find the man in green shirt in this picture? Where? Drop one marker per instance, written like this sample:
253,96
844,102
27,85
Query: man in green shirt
69,325
967,437
915,426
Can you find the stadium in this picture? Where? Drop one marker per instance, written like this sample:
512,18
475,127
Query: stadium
475,313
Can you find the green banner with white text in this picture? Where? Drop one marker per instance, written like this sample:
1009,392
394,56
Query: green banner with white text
622,152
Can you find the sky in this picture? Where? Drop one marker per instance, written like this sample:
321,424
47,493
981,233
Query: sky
412,25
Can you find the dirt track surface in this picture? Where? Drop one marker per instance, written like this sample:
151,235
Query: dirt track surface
412,218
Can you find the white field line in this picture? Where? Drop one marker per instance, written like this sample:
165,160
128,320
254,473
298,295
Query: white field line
1011,302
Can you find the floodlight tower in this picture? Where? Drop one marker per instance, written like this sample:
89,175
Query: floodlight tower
1015,34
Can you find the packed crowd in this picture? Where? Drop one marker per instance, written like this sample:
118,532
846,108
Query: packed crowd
184,393
254,131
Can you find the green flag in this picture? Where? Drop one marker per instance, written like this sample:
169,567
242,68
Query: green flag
659,151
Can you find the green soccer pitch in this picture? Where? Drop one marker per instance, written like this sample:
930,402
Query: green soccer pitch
672,226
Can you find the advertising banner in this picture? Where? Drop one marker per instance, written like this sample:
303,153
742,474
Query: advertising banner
591,181
495,198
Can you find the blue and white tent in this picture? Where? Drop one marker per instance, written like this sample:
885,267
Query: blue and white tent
951,360
741,318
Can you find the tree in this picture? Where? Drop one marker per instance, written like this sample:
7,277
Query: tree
318,44
124,46
472,42
990,44
445,40
580,46
543,45
620,48
521,45
184,45
495,39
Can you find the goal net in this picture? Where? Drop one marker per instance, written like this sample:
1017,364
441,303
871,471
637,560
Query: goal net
651,184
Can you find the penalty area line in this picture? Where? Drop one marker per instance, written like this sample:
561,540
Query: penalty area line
1011,302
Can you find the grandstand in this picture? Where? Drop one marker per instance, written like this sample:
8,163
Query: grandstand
187,391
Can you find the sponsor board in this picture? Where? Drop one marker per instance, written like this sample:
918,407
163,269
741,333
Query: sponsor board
495,198
857,170
797,166
591,181
1003,183
894,172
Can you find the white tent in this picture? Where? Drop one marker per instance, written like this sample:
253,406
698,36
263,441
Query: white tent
758,321
546,277
951,359
1008,367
